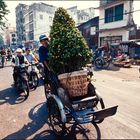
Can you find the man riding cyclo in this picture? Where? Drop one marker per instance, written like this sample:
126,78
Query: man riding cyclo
17,60
43,58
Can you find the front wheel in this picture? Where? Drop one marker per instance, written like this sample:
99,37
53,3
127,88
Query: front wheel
55,117
26,88
35,81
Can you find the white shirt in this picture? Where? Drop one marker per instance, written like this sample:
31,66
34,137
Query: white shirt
30,57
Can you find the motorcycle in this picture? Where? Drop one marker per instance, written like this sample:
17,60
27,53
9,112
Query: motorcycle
22,80
33,76
101,61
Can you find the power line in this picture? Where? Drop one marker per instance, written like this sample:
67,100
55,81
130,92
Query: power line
122,14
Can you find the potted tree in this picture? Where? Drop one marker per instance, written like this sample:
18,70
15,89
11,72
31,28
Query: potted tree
68,53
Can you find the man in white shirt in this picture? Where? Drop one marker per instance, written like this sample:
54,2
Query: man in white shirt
17,60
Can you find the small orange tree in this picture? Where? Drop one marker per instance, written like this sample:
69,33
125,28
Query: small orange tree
68,49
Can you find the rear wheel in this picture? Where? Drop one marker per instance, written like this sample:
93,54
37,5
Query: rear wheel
55,117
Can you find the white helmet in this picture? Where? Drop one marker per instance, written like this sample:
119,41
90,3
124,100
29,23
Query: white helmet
19,50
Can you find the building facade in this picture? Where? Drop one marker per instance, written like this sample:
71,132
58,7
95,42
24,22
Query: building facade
10,37
81,16
116,21
20,23
32,21
90,32
38,20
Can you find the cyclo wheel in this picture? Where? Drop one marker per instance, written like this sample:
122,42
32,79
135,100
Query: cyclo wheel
98,63
55,117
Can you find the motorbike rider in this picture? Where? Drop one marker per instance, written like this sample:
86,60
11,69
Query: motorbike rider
2,52
17,60
9,53
29,56
104,50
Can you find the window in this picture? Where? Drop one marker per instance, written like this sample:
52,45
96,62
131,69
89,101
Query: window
114,13
110,39
31,16
92,30
41,17
119,12
31,27
109,15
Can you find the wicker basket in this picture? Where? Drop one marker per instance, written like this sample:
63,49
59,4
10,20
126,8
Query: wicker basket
75,83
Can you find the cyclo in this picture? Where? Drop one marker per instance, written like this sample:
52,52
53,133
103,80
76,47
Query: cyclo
81,110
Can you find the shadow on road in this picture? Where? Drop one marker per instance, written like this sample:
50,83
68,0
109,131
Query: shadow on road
11,96
39,117
74,132
110,68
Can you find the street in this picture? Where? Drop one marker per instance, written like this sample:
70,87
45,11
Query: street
28,119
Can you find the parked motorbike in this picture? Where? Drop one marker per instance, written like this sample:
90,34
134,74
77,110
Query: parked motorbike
33,76
99,61
22,80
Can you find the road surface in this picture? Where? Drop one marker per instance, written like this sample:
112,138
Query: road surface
28,119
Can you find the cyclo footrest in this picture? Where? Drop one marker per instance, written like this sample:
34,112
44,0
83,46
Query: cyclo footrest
101,114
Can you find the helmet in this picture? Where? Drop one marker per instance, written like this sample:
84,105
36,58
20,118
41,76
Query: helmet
43,37
18,50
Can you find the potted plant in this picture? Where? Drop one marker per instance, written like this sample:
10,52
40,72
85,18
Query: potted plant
68,51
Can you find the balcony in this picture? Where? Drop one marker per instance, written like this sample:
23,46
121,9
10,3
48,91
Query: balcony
104,3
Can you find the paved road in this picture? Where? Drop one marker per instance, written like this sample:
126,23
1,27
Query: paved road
27,120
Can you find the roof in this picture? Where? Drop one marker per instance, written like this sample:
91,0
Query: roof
94,20
131,43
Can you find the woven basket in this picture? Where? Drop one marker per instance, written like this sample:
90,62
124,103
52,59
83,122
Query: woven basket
75,83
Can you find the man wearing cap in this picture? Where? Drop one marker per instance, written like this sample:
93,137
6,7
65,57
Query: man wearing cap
17,60
43,57
44,50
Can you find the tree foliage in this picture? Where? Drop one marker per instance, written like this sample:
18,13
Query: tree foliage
68,49
3,12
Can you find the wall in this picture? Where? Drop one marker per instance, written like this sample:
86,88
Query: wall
116,24
42,26
121,32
